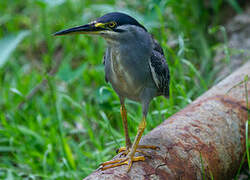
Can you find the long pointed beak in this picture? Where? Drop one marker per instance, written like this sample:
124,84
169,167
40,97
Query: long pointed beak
85,29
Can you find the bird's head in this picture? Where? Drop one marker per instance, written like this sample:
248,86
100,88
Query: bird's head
110,26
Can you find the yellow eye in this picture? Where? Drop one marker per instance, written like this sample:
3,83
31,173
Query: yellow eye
112,24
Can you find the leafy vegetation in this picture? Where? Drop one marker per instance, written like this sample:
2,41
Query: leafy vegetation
73,122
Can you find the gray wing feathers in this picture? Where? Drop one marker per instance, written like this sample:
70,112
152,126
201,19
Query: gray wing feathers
159,70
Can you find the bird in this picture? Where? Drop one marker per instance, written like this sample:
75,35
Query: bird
136,68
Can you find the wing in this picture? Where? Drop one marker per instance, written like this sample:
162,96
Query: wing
159,69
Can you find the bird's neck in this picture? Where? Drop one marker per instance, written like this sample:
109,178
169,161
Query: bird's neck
139,42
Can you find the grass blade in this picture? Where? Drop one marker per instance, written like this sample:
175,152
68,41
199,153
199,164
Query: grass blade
8,44
202,168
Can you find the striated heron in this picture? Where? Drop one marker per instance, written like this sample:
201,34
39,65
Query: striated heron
136,68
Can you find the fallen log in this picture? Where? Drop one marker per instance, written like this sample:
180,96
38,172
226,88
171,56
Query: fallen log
205,139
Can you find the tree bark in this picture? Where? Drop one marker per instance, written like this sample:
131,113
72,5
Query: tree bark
205,139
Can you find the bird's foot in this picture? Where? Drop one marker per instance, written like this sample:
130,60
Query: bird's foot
129,157
125,150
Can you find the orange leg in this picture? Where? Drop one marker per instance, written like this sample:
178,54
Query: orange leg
125,125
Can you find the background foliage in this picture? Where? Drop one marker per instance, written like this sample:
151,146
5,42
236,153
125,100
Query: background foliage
73,123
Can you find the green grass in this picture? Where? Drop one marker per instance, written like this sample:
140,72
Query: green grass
73,123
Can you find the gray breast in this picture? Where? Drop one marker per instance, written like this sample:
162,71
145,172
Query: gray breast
127,67
124,78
